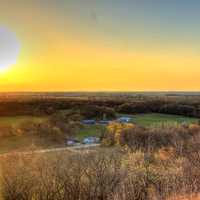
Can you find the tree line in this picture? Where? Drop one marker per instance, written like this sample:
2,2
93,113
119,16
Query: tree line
92,108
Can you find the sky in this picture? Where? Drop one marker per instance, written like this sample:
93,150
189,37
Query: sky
99,45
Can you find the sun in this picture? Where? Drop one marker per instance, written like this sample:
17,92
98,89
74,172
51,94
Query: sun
9,48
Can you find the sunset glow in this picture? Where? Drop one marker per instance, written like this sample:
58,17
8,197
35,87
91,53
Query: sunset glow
9,49
101,45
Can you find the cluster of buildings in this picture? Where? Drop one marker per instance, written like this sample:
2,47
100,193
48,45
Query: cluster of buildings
92,139
105,122
87,140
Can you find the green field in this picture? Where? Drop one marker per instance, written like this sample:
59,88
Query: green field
152,119
14,121
91,130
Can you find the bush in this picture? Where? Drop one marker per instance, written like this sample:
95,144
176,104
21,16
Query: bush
107,175
151,138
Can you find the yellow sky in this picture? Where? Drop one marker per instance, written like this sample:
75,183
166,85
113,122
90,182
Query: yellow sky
54,57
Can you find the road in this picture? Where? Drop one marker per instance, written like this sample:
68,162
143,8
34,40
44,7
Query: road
74,149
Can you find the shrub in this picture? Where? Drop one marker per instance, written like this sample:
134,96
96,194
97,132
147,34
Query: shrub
151,138
110,174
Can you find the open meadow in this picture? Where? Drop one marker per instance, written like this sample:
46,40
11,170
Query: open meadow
153,119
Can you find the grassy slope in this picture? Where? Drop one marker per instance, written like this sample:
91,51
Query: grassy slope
14,143
25,143
14,121
17,142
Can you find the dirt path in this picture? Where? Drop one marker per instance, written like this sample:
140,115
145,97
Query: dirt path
75,149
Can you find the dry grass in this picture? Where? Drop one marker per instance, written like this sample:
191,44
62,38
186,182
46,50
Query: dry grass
106,174
185,197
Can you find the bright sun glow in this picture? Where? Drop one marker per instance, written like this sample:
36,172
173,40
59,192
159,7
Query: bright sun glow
9,49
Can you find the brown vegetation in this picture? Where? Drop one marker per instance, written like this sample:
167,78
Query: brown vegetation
184,139
106,174
144,163
159,163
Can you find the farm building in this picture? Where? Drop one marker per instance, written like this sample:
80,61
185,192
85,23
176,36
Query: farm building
71,142
91,140
89,121
124,119
104,122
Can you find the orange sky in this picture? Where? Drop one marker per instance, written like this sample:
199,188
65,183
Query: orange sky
66,47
